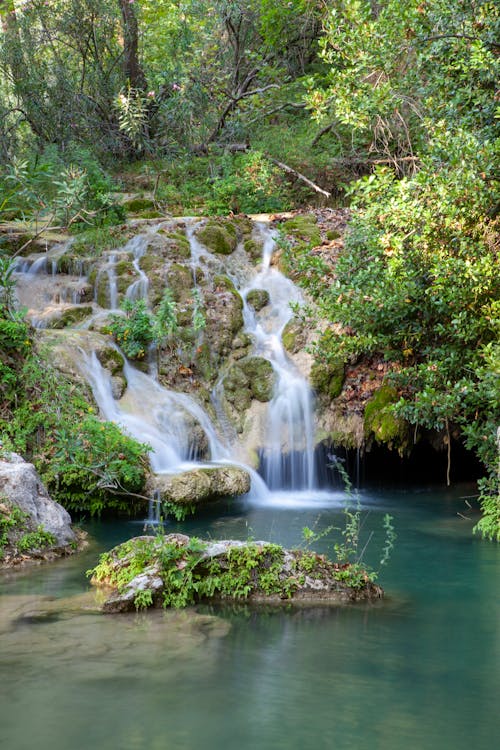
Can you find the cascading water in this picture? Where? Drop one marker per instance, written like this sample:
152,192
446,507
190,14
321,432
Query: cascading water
178,429
288,452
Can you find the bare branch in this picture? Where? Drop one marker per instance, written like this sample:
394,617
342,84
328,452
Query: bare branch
299,176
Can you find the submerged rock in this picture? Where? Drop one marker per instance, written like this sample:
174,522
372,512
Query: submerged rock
32,525
150,571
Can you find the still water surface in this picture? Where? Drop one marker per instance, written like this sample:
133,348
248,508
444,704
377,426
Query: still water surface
418,671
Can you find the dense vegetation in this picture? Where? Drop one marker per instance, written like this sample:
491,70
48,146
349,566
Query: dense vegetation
391,106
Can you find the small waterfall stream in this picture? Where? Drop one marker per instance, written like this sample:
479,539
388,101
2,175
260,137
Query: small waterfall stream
178,429
288,452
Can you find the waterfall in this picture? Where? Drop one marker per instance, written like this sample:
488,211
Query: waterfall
178,430
288,452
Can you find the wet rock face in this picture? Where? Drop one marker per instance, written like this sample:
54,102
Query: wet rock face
21,488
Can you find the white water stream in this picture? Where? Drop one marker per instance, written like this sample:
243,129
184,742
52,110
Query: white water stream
288,451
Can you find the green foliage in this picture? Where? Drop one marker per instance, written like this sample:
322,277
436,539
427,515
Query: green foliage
36,540
140,328
247,183
95,467
12,518
430,60
349,565
87,465
69,187
135,332
13,522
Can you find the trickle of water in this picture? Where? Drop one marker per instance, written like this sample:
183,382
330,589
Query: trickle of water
139,288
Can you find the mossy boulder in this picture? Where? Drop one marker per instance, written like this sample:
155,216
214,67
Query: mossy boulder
261,377
112,360
294,336
180,281
179,244
254,248
218,237
258,298
328,377
237,388
380,422
304,227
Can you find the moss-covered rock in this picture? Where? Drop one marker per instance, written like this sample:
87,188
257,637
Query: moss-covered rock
254,248
381,424
180,281
218,237
258,298
328,377
294,336
177,571
304,227
202,485
261,377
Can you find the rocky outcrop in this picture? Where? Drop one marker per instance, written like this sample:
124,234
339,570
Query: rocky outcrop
148,571
201,485
32,525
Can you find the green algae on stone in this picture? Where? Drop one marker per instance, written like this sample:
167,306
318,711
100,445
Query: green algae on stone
135,205
294,336
254,248
71,316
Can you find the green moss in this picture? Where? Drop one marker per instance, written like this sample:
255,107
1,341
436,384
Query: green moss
150,214
333,234
72,315
294,336
258,298
261,377
304,227
380,421
111,360
218,237
328,378
180,281
179,244
138,204
253,248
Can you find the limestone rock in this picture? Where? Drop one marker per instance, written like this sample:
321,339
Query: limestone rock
21,489
202,485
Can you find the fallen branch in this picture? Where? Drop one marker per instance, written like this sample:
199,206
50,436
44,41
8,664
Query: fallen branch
299,176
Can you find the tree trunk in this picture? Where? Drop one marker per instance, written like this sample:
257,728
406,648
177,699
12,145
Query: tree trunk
131,65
